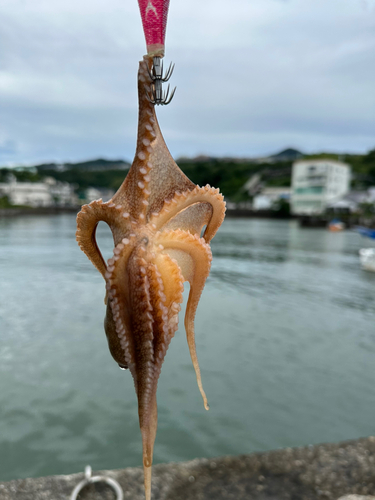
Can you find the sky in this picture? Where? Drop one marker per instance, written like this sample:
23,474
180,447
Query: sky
253,77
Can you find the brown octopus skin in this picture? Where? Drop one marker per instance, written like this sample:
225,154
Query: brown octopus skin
156,218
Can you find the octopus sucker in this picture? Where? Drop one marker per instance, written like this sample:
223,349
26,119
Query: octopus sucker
157,217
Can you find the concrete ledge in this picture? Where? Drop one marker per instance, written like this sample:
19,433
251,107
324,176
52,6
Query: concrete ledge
326,471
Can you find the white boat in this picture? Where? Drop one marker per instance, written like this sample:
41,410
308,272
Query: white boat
367,258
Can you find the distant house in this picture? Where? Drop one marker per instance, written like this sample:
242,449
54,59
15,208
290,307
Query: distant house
48,193
63,193
352,201
267,198
316,183
32,194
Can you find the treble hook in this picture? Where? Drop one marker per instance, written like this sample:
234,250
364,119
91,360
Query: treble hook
156,74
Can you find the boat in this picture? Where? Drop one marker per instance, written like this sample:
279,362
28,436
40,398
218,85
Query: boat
367,259
365,231
366,255
336,225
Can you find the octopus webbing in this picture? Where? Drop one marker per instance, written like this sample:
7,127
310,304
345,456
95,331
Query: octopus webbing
157,217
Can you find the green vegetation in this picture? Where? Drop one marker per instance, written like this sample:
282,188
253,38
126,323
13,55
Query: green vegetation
83,179
282,208
21,175
363,169
4,202
282,181
229,175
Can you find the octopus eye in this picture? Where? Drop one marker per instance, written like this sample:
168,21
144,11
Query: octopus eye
145,240
123,367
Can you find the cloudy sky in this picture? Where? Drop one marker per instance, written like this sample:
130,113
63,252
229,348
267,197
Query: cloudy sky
252,76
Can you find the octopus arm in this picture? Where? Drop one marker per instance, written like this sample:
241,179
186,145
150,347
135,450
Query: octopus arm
192,219
166,296
166,287
129,282
147,330
193,255
212,211
87,221
148,440
118,321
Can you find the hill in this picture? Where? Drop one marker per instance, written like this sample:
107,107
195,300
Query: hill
228,174
88,166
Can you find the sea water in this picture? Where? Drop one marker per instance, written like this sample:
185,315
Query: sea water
285,334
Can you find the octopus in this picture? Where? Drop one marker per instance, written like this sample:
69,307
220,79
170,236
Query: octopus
162,224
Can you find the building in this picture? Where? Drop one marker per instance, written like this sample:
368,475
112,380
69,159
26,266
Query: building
32,194
268,197
353,200
317,183
48,193
62,193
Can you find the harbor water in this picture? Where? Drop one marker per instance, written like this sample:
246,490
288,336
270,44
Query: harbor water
285,333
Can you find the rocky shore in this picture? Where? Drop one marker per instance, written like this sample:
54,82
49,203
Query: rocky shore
326,471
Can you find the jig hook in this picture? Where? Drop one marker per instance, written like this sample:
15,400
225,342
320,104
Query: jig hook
156,74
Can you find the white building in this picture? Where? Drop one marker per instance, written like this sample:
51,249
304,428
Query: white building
268,197
48,193
32,194
318,183
63,194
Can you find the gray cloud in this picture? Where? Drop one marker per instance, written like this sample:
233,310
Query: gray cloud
252,77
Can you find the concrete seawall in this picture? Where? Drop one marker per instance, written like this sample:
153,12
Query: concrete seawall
326,471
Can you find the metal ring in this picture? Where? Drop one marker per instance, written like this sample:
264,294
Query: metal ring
96,479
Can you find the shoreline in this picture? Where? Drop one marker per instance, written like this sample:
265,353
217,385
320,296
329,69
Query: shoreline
13,212
312,222
231,212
